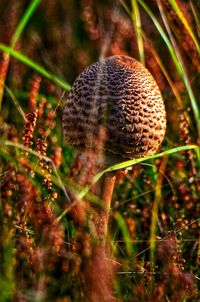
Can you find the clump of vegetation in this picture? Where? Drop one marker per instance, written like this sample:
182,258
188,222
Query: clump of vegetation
47,203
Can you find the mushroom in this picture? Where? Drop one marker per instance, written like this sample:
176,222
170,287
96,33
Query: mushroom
119,93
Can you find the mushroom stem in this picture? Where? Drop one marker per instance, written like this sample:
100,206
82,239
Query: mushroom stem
99,269
106,196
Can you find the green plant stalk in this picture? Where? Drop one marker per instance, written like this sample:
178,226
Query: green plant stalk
154,217
195,14
179,13
125,6
24,20
125,232
129,163
132,162
183,70
17,55
45,158
135,15
173,87
57,180
177,61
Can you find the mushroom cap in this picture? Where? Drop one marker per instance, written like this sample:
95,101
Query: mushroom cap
121,94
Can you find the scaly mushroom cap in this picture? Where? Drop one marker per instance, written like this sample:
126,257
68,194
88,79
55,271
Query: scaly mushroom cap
120,93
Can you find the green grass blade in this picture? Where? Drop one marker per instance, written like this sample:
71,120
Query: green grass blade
27,15
177,60
132,162
183,72
173,87
22,58
135,15
195,15
179,13
125,7
162,34
24,20
125,232
58,181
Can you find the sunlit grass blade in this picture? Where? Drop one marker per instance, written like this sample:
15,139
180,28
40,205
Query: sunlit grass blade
129,163
168,78
56,178
135,15
57,181
24,20
162,67
175,57
22,58
162,34
132,162
179,13
183,72
6,59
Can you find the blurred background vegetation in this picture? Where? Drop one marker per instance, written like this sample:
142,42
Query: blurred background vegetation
154,221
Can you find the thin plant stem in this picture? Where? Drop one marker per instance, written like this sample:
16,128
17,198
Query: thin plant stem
179,13
22,58
6,56
135,15
154,218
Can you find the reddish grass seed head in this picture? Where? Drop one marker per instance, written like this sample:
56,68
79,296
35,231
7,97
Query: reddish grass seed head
120,93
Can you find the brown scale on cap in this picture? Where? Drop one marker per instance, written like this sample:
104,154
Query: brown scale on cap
120,93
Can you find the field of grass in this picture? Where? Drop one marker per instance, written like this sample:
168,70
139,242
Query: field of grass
48,204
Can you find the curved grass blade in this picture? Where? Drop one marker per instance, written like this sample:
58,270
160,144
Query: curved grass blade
169,80
132,162
6,58
175,57
129,163
22,58
162,34
45,158
195,14
179,13
162,67
24,20
135,15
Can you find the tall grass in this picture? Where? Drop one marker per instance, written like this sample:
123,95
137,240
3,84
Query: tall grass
48,202
19,30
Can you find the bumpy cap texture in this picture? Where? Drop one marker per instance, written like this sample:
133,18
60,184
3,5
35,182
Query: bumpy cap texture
121,94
